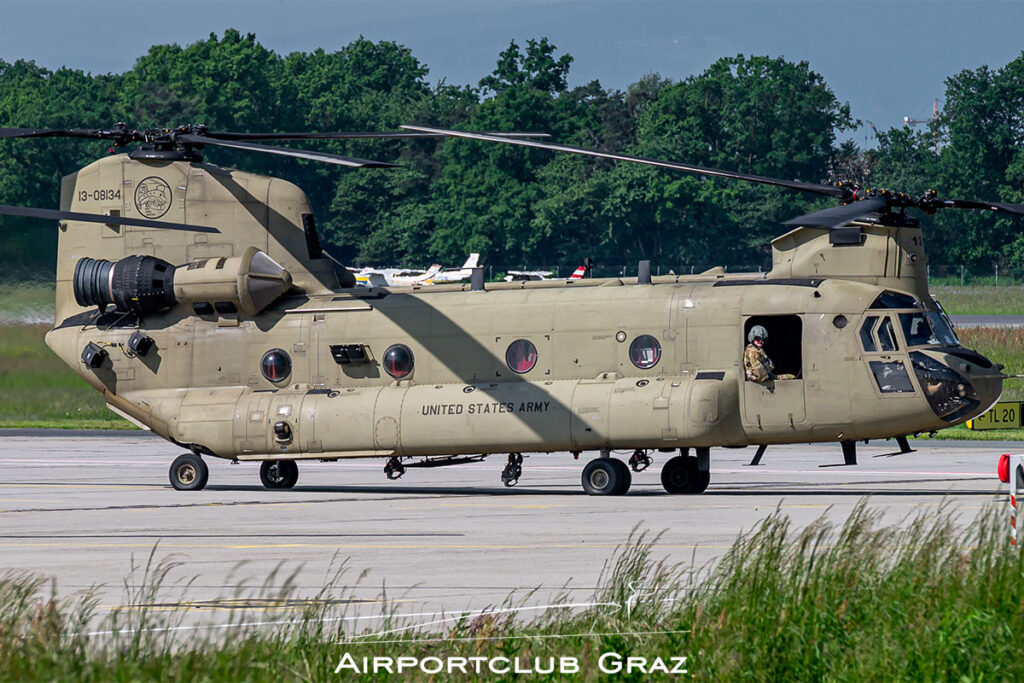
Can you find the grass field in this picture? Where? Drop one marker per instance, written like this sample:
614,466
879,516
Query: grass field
981,300
38,390
927,600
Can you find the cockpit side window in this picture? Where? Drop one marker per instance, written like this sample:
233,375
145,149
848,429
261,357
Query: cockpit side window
886,338
867,340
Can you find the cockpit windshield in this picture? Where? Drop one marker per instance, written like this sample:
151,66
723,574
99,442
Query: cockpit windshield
943,325
917,330
943,329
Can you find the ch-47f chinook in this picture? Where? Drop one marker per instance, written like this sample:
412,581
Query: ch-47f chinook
233,336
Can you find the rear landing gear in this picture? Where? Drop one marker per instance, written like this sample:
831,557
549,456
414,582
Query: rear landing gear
686,473
279,474
189,472
606,477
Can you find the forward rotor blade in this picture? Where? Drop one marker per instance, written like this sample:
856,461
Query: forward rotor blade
827,190
838,215
53,215
228,135
1001,207
191,139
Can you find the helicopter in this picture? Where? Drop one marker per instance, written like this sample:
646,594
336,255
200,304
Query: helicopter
199,301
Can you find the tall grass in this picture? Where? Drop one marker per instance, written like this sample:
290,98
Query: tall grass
1002,345
931,599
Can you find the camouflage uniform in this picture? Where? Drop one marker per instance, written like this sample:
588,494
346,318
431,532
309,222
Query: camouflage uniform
758,366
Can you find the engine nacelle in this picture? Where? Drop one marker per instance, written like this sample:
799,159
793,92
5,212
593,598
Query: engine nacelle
145,284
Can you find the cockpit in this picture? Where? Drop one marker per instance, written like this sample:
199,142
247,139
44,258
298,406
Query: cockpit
921,327
932,349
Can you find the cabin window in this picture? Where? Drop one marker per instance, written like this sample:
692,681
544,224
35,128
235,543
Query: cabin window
891,377
398,361
521,356
784,345
867,339
645,352
276,365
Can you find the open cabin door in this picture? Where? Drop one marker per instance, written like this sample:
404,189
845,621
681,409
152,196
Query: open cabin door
780,402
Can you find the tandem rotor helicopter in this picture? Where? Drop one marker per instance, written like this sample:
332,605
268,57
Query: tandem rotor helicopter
199,301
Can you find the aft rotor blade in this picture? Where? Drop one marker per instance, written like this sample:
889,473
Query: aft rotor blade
53,215
191,139
228,135
838,215
54,133
827,190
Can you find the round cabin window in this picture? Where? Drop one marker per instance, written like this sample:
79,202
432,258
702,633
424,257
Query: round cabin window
398,361
276,365
521,356
645,352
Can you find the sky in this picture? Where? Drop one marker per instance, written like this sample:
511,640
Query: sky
887,59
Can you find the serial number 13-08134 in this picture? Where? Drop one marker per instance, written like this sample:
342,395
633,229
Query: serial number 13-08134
98,195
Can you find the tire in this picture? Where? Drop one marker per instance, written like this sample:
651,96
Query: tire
279,474
604,477
626,477
189,473
680,475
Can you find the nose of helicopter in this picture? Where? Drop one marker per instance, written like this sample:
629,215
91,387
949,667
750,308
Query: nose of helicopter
959,384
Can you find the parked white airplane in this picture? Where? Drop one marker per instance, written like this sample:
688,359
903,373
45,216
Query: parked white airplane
521,275
436,274
458,274
394,277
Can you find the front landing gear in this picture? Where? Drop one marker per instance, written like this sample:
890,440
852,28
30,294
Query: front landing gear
606,477
513,469
189,472
279,474
686,473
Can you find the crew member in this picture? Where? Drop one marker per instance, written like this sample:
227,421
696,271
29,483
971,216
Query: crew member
756,363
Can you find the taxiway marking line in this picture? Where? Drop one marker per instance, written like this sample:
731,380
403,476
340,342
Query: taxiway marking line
243,608
350,546
87,487
515,506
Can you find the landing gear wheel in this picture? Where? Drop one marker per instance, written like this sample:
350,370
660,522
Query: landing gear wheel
625,477
680,475
279,474
189,472
606,477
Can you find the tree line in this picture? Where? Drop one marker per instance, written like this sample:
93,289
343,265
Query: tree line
527,207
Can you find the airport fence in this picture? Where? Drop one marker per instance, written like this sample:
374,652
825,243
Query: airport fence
945,274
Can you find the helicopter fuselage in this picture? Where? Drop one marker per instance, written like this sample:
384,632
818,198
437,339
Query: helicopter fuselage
321,370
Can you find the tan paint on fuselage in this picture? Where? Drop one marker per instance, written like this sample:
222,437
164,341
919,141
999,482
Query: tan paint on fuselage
202,386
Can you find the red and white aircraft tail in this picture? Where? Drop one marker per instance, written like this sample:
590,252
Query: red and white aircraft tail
578,273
